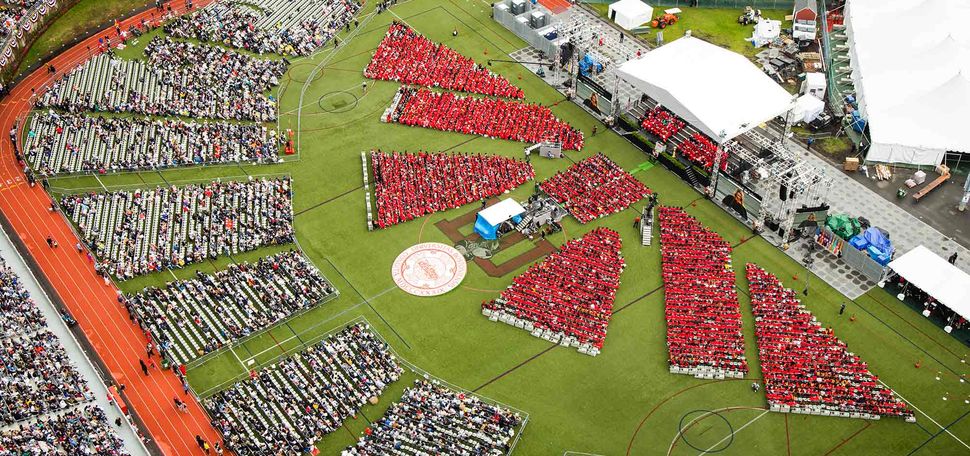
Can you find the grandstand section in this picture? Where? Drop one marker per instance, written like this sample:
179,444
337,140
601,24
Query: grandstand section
285,408
281,27
135,232
430,418
189,318
75,143
208,89
46,407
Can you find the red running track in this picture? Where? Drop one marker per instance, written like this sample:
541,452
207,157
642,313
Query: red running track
105,323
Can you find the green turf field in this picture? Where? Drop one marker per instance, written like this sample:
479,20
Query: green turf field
622,402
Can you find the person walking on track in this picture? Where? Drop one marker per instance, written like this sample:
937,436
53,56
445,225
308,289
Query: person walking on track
144,367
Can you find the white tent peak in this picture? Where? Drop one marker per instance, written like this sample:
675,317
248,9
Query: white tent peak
724,103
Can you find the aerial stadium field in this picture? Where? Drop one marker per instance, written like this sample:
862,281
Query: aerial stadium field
623,401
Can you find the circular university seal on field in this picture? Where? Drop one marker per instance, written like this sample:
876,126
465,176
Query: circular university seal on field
429,269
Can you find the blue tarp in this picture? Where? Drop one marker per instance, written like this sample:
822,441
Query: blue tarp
877,239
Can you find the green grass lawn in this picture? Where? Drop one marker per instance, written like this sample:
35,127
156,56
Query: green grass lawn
621,402
71,26
716,25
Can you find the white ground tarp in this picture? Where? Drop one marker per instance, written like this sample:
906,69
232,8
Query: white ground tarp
718,91
501,211
937,277
913,86
630,14
807,108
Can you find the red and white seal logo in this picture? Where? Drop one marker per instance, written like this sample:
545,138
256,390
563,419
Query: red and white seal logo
429,269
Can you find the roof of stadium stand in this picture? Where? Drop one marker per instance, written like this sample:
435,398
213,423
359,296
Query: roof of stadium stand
937,277
913,85
718,91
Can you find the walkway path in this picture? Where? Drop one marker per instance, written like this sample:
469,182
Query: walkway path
105,324
57,326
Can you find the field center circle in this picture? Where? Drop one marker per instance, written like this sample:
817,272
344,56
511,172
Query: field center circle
429,269
337,102
683,435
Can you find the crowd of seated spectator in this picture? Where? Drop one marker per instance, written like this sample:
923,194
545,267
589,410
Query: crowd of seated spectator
81,431
296,27
406,56
492,118
45,403
433,419
10,14
594,188
701,150
146,230
177,79
701,304
805,367
285,408
189,318
408,186
567,298
662,123
74,143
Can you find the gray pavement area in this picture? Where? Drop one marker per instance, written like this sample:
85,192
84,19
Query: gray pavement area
126,431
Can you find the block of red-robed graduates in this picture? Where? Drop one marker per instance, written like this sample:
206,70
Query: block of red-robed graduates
594,187
411,185
806,368
135,232
406,56
189,318
568,297
489,117
704,335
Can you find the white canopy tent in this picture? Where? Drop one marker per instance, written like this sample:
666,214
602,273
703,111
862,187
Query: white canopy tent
937,277
807,108
501,211
630,14
913,87
718,91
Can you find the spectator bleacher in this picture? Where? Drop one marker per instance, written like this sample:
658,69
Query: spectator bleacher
46,406
806,368
594,188
704,335
136,232
567,298
406,56
178,79
74,143
285,408
432,419
408,186
189,318
83,430
491,118
283,27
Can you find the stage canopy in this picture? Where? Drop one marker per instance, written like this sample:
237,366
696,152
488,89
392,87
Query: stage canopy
937,277
630,14
492,217
718,91
913,87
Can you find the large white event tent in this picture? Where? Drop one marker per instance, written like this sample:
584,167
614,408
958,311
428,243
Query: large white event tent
718,91
630,14
937,277
912,83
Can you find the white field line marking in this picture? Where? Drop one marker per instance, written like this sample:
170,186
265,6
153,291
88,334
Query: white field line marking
924,414
735,432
